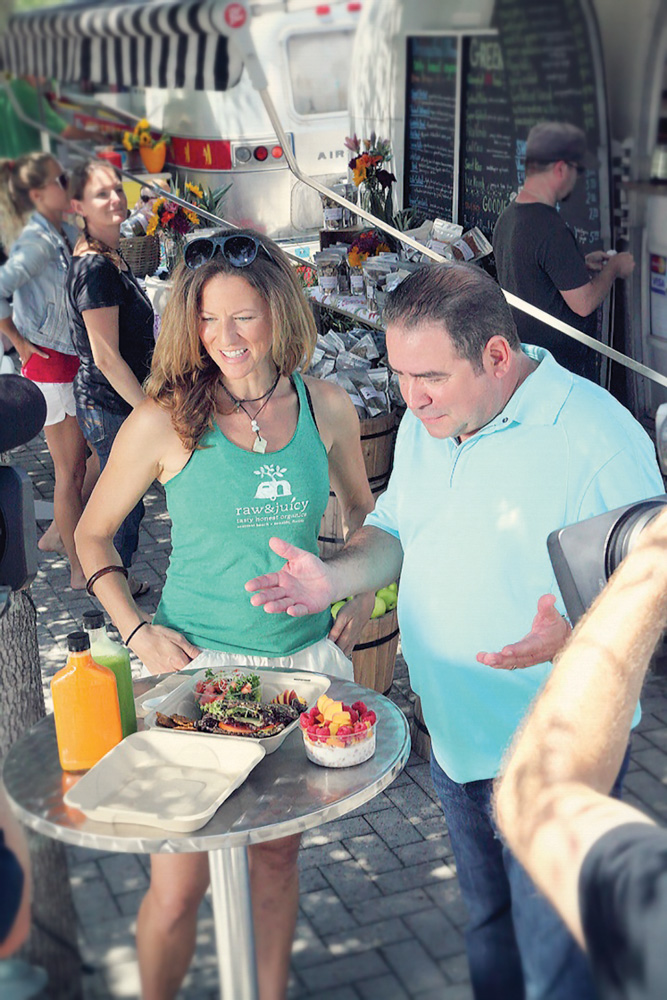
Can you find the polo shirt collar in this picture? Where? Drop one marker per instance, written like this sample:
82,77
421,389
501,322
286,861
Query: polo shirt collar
539,399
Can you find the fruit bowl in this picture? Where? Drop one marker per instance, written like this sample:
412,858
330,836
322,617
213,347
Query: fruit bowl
338,735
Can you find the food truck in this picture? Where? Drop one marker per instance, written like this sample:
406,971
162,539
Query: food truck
457,84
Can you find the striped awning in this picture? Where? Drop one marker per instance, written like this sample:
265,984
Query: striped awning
153,44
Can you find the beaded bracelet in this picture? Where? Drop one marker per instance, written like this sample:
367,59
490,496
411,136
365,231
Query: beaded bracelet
134,632
103,572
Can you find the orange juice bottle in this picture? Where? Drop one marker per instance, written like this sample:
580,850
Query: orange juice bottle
85,707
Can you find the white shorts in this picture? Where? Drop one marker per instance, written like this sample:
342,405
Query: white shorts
59,398
323,657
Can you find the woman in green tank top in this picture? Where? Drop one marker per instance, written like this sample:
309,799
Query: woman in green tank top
246,449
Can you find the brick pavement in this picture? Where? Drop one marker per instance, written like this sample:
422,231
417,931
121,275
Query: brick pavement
380,911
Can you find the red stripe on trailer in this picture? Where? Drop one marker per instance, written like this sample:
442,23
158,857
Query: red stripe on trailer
201,154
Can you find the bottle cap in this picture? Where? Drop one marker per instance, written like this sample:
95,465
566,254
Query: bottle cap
93,619
78,642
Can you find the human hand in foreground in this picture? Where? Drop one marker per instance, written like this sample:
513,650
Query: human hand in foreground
162,650
549,633
301,587
350,621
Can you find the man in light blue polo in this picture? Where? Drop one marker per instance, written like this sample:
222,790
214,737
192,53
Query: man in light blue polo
500,446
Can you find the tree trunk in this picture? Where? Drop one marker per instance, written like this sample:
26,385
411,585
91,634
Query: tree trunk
52,943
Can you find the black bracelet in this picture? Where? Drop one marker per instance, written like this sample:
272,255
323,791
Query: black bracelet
103,572
134,632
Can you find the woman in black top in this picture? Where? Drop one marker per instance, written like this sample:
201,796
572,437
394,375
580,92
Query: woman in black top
112,324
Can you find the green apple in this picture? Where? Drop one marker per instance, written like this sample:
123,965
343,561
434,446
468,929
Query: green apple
335,608
379,609
389,597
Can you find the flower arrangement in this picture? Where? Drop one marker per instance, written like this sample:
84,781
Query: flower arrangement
370,176
366,245
169,217
141,137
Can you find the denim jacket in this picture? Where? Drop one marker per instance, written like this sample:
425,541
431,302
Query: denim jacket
34,280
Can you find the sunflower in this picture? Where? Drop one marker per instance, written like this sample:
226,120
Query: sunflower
145,139
194,189
142,126
127,141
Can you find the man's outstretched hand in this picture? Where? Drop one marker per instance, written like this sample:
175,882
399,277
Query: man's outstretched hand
548,635
300,588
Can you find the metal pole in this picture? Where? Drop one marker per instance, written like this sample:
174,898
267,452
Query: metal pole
234,934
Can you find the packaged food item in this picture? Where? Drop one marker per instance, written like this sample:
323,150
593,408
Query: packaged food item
471,246
332,213
357,283
328,271
85,707
375,277
349,192
116,657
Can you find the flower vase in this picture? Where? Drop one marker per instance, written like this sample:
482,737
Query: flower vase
171,251
153,157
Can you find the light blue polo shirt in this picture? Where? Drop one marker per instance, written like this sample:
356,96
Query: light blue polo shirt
473,519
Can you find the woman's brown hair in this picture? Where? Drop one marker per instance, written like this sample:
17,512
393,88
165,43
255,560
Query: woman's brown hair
78,179
183,377
17,179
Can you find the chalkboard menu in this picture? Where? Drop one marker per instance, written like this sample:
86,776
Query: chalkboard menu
430,123
536,64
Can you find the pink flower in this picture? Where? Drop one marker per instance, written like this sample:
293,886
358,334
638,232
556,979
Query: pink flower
352,143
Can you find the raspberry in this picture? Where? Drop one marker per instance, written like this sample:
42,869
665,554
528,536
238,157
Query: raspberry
370,717
354,716
345,731
359,727
360,708
304,721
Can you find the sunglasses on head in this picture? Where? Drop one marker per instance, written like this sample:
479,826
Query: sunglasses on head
238,250
62,180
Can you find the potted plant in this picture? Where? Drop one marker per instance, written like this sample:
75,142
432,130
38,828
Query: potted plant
153,151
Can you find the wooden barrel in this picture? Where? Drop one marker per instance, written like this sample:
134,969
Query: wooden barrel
374,656
421,740
377,446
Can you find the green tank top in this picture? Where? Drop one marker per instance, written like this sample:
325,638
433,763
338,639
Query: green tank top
224,506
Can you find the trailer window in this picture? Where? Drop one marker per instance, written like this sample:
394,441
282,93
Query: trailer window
319,67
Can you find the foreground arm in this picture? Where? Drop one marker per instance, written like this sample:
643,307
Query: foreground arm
371,559
16,842
552,802
135,461
339,425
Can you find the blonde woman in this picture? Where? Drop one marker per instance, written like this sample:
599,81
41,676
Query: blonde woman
243,444
33,316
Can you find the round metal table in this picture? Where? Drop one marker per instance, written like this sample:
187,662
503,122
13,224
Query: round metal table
285,794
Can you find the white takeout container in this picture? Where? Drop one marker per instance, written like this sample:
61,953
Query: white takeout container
182,701
153,779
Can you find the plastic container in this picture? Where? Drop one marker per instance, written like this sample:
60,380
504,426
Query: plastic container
85,707
340,751
114,655
156,779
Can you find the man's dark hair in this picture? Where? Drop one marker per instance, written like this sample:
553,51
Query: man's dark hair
461,297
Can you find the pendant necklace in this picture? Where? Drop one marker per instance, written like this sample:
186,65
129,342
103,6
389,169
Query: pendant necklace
259,445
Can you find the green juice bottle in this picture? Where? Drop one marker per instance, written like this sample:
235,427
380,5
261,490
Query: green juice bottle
116,657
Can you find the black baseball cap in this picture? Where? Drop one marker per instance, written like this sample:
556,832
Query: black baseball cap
549,142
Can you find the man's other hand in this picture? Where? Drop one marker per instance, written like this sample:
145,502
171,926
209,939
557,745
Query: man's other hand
549,633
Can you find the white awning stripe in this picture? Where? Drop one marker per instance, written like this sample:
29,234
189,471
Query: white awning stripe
154,44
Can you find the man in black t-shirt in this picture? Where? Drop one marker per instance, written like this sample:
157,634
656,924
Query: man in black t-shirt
602,863
538,257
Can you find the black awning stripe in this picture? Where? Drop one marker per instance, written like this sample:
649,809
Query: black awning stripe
153,44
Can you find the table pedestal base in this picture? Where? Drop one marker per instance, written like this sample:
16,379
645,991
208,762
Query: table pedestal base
232,912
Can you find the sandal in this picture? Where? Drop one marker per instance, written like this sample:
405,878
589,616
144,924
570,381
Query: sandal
139,588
